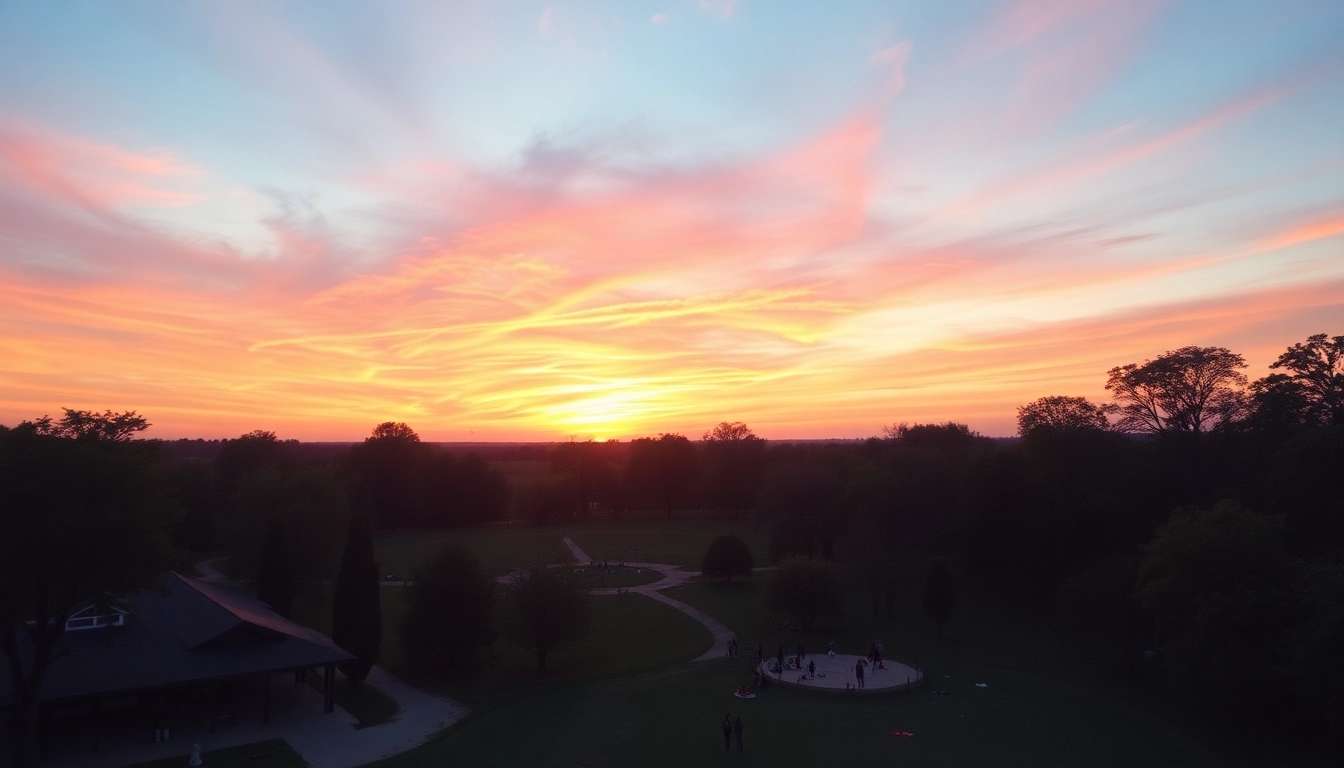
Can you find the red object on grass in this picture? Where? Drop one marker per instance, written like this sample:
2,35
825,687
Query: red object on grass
902,733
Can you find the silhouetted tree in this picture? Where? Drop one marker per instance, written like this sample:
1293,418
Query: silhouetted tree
275,573
805,587
1059,412
90,425
544,609
390,464
947,437
1316,372
483,492
356,615
1315,645
940,594
733,459
726,557
587,469
804,499
313,505
253,451
1187,391
1217,583
664,468
1305,484
872,546
193,483
449,607
83,520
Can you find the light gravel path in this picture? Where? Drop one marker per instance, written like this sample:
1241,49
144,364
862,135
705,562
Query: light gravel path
673,576
332,740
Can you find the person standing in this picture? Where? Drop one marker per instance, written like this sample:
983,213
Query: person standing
781,657
858,672
727,733
737,731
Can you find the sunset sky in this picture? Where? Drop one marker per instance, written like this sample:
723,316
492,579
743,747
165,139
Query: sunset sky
543,220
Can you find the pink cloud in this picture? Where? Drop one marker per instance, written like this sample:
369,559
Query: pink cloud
93,174
724,9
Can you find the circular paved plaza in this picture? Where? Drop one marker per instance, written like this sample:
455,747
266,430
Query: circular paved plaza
836,673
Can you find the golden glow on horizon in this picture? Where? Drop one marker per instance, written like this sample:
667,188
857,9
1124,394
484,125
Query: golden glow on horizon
882,266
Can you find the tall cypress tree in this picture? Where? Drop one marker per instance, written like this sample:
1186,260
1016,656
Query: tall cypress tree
275,573
356,618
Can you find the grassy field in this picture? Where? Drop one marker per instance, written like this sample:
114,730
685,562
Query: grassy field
670,718
676,542
629,633
619,577
619,697
500,550
263,754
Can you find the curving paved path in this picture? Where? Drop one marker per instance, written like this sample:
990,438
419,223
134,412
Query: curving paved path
673,576
332,740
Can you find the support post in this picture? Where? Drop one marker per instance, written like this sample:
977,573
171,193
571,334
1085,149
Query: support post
329,704
43,733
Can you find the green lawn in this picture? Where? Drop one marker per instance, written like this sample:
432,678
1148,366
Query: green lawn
500,549
274,753
629,633
620,697
619,577
676,542
670,718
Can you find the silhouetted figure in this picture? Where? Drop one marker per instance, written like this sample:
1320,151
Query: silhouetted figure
781,657
727,733
737,731
811,669
858,672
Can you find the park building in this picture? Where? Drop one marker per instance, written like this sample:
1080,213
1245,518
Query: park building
185,658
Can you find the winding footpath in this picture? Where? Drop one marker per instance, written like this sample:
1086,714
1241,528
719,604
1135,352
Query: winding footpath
673,576
335,743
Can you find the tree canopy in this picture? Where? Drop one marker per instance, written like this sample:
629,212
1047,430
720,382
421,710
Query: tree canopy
940,594
1189,390
726,557
1061,413
1316,371
449,607
664,468
1217,584
84,519
805,588
544,609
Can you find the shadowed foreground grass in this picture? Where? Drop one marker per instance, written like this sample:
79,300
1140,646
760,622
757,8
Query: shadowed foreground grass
275,753
629,633
671,717
500,550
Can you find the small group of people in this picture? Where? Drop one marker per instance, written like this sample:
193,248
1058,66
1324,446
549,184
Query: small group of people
732,647
875,655
732,727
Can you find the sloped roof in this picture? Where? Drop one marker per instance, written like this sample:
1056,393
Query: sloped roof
184,631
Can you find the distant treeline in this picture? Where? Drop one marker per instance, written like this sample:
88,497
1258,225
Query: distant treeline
1197,520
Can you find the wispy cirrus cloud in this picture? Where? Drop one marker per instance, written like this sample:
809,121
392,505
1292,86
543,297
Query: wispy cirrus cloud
918,253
